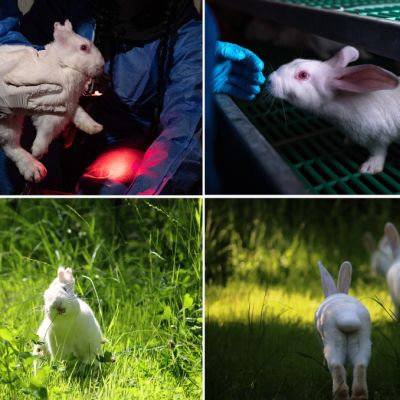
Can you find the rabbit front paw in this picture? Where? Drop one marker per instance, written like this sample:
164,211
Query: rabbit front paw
93,128
373,165
38,151
34,171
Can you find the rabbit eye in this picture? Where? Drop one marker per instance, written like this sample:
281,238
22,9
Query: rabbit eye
65,289
302,75
84,47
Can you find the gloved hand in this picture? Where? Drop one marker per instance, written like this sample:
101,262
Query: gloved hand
34,98
238,71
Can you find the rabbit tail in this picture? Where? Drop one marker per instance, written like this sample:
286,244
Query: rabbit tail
348,322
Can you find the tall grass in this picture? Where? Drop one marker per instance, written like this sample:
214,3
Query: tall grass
263,288
137,263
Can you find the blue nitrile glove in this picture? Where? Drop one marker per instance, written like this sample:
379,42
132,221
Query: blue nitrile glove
238,71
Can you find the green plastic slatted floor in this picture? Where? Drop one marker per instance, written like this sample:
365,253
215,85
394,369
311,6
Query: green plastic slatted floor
368,8
317,153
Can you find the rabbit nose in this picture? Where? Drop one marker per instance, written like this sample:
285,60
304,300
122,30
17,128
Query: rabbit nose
58,307
60,310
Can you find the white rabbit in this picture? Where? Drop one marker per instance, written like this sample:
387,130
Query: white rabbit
70,62
393,274
381,254
355,98
344,325
69,325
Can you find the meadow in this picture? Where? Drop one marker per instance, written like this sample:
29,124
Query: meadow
263,288
137,263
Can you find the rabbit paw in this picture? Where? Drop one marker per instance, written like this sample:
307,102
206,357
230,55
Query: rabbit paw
34,171
93,128
341,394
373,165
359,394
38,151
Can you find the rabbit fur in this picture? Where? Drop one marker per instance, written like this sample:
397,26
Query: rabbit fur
70,61
361,100
69,325
393,274
381,254
344,326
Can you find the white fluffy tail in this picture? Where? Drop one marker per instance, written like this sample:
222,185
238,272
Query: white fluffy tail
348,322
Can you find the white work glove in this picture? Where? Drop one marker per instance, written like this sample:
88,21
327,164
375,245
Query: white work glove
30,98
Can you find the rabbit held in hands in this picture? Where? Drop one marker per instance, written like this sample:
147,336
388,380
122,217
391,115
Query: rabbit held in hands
362,100
70,61
344,325
381,254
69,325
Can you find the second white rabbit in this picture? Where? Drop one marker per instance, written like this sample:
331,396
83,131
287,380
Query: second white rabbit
381,254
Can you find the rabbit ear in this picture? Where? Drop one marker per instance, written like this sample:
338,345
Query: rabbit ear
344,278
369,242
393,237
67,25
62,32
328,284
343,57
364,78
65,275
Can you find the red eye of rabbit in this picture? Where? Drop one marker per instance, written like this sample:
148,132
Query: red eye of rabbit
302,75
84,47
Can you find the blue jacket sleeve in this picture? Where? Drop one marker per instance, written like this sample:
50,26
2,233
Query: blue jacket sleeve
177,146
9,24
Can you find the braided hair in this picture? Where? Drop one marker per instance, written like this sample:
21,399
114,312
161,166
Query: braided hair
163,61
104,11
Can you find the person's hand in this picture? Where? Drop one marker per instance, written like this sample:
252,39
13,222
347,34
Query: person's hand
238,71
42,98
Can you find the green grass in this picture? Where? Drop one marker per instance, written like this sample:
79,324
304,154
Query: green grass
263,288
137,263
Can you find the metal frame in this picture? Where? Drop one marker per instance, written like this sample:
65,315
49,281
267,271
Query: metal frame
380,36
271,172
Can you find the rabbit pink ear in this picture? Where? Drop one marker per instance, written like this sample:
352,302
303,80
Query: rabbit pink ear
65,275
393,237
62,32
365,78
68,25
343,57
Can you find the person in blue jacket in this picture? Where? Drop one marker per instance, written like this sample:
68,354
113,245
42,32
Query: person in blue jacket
151,104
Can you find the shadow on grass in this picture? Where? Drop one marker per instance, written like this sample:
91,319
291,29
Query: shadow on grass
279,361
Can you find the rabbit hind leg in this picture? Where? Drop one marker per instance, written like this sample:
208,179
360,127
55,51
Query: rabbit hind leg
48,127
30,168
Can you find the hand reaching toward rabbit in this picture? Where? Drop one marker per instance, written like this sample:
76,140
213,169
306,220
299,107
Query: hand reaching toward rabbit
238,71
361,100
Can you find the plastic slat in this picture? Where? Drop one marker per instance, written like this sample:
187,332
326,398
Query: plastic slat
317,153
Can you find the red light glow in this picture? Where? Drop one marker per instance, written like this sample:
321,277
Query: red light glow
118,165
